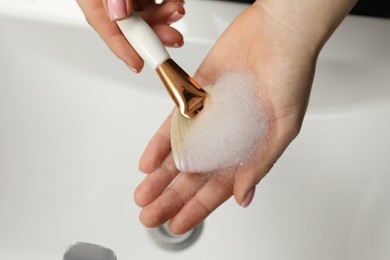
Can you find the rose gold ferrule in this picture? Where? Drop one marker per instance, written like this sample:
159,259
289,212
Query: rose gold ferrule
185,92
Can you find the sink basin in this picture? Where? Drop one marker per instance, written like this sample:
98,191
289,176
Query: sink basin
74,121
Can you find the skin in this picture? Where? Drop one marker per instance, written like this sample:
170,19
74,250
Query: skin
279,42
156,15
286,75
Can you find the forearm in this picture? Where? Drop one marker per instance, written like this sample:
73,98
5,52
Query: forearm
314,20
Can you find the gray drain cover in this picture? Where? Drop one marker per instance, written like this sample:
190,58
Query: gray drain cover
87,251
163,238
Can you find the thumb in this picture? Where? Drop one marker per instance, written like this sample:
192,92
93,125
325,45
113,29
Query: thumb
245,181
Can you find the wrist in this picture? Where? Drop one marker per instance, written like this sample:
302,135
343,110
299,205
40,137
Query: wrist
308,22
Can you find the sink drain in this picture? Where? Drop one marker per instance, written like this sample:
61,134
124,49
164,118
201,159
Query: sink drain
163,238
88,251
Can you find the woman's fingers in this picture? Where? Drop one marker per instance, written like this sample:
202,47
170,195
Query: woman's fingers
172,199
245,180
215,191
118,9
188,201
166,13
160,17
156,182
96,16
169,36
157,149
101,13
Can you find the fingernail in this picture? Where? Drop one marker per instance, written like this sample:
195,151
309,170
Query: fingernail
116,9
132,69
176,45
249,197
174,17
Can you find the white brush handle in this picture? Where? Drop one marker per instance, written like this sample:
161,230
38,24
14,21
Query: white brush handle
144,40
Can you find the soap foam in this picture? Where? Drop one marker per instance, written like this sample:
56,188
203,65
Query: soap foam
229,129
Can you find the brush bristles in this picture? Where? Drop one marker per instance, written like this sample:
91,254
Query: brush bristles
226,132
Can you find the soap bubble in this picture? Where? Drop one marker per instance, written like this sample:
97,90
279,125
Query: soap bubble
227,132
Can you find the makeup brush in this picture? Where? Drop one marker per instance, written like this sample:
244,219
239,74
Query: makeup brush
229,131
183,89
233,122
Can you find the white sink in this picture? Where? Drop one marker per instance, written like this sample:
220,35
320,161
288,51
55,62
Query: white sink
74,121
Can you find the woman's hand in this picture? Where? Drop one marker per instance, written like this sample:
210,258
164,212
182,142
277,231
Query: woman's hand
276,40
102,14
283,61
